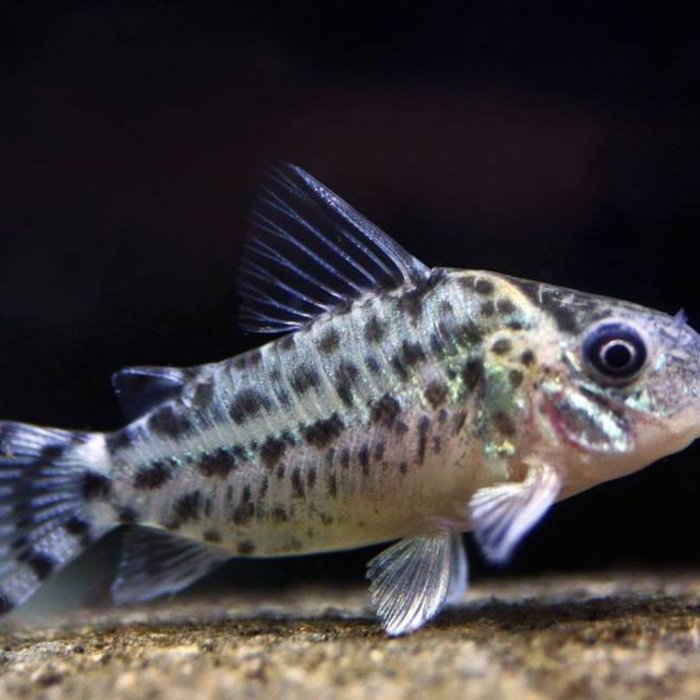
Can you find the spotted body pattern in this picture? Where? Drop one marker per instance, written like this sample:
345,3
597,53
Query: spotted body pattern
401,404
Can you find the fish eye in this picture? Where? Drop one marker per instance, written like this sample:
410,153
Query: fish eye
615,351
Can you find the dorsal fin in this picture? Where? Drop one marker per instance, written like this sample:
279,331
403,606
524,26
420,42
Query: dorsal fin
140,389
310,252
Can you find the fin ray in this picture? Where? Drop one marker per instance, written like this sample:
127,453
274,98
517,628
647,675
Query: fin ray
310,252
412,579
155,563
459,570
44,521
503,514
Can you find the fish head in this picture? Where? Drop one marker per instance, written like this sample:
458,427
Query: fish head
615,386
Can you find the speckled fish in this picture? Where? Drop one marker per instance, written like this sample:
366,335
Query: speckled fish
399,403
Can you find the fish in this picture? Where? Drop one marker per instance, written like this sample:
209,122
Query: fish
396,403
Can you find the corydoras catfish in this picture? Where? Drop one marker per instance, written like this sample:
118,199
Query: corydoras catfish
398,403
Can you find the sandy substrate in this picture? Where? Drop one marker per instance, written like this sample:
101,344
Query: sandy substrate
609,636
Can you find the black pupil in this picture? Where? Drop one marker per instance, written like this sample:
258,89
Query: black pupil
615,350
617,355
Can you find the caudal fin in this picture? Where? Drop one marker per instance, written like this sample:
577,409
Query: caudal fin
47,477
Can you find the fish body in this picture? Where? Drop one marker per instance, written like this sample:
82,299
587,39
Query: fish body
401,403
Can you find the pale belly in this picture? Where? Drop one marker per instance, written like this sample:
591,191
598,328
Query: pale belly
300,515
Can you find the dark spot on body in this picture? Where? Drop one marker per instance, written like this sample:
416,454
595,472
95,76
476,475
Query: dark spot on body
311,477
169,422
186,507
437,443
279,514
514,325
76,526
153,476
527,357
468,334
549,301
40,563
5,604
305,378
239,453
246,404
502,346
325,519
329,342
288,437
374,330
506,306
247,494
332,484
436,393
400,428
323,431
297,483
385,411
423,427
127,515
345,457
436,345
95,486
363,458
245,548
515,376
279,474
412,353
458,420
411,303
255,357
219,463
243,513
403,467
466,281
203,394
53,451
473,373
488,309
443,414
379,448
446,308
19,542
264,485
283,397
287,343
272,451
119,440
344,379
503,423
372,364
483,287
236,364
212,535
399,367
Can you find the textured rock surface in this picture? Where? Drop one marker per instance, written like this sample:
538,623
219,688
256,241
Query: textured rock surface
614,637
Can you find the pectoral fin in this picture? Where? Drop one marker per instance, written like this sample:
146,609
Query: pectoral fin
502,515
413,579
459,570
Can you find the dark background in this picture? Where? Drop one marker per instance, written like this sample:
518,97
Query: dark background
548,140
